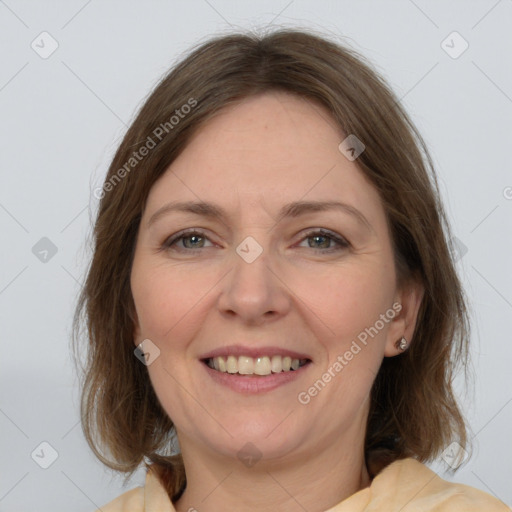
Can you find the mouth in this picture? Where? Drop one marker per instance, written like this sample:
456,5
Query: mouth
260,366
254,370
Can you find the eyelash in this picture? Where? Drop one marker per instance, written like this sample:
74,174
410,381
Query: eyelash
342,243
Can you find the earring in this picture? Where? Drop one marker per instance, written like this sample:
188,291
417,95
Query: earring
401,344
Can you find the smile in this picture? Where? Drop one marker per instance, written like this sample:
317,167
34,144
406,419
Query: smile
263,365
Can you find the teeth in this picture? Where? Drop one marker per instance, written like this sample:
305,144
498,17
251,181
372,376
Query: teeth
245,365
231,364
276,364
262,366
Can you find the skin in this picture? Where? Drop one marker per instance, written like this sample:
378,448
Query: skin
252,159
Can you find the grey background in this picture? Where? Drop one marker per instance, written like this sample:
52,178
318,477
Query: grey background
62,117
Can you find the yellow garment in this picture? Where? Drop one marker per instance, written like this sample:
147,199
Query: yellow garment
405,485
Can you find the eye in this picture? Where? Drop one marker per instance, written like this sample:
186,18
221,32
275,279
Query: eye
322,240
186,240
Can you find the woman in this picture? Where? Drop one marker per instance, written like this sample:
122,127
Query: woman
272,287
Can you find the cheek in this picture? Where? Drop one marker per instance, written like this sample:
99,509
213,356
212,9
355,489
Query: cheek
169,301
166,298
347,299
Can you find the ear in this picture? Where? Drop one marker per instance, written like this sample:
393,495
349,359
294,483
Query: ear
407,305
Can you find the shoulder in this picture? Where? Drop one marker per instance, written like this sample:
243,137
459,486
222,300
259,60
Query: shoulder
132,500
407,485
152,496
412,486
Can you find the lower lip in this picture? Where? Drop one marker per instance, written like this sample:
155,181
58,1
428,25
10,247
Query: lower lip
254,384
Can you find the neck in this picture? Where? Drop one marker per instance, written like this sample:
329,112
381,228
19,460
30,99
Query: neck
314,483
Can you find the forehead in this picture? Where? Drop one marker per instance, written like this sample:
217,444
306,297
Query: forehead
268,149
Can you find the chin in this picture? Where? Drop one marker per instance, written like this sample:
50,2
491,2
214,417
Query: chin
266,440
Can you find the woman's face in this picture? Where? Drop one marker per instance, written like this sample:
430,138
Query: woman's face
264,279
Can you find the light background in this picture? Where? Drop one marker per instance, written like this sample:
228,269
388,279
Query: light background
62,117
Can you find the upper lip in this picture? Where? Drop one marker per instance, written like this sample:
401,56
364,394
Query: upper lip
240,350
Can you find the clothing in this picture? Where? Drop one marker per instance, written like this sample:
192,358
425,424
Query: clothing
405,485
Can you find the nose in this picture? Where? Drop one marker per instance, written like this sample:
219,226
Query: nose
254,292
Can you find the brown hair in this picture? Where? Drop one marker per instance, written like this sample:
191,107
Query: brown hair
413,410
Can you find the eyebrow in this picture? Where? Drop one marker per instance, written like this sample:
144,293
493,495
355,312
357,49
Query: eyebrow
295,209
